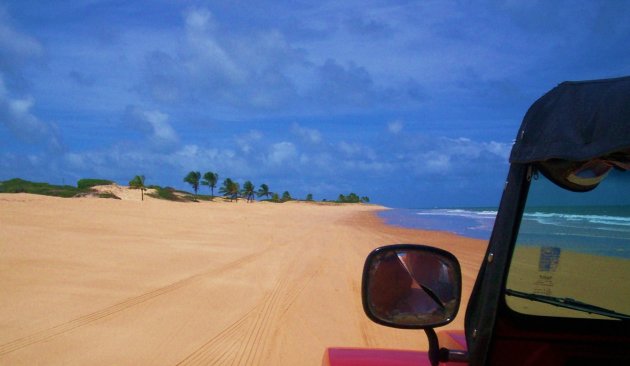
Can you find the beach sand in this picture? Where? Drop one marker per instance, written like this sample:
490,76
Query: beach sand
585,277
103,281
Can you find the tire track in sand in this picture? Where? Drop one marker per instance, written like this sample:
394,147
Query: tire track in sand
69,326
243,340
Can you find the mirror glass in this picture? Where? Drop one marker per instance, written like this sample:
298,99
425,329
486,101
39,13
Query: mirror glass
411,286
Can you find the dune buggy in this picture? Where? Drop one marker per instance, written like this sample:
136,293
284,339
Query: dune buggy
554,287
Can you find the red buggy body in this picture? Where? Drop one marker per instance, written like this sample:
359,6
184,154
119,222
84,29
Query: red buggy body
381,357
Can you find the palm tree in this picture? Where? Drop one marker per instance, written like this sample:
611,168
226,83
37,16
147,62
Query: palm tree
248,190
210,179
230,189
263,191
225,188
286,196
138,183
193,179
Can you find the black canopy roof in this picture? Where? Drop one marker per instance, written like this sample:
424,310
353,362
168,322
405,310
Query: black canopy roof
576,121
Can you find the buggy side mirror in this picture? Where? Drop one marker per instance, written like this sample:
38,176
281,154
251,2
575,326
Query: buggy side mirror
411,286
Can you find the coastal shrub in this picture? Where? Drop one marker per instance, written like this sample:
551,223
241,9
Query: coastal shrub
163,193
171,194
352,198
89,183
203,197
108,195
309,197
18,185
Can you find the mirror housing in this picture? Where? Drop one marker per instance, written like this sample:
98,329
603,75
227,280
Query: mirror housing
411,286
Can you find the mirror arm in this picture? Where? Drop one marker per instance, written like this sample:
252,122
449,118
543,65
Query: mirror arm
434,346
447,355
437,354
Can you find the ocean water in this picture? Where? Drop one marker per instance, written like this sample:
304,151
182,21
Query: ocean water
470,222
601,230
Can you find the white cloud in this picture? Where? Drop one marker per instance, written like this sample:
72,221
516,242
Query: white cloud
453,156
282,153
155,124
247,141
15,47
468,148
75,161
500,149
435,162
308,134
162,130
16,112
199,20
17,116
206,58
357,150
395,127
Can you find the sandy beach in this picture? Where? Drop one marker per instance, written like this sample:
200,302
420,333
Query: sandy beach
129,282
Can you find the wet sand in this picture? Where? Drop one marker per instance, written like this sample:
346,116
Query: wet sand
103,281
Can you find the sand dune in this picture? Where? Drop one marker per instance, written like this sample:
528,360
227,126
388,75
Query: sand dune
124,192
102,281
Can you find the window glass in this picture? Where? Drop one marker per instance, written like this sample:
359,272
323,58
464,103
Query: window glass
572,253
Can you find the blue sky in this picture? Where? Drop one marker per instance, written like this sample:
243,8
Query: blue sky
412,103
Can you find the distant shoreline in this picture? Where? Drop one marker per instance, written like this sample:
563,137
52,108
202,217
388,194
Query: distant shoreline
103,188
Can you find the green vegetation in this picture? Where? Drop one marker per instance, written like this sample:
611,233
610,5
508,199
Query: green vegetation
163,193
193,179
89,183
248,191
264,191
352,198
170,194
286,196
230,189
108,195
138,183
210,179
18,185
